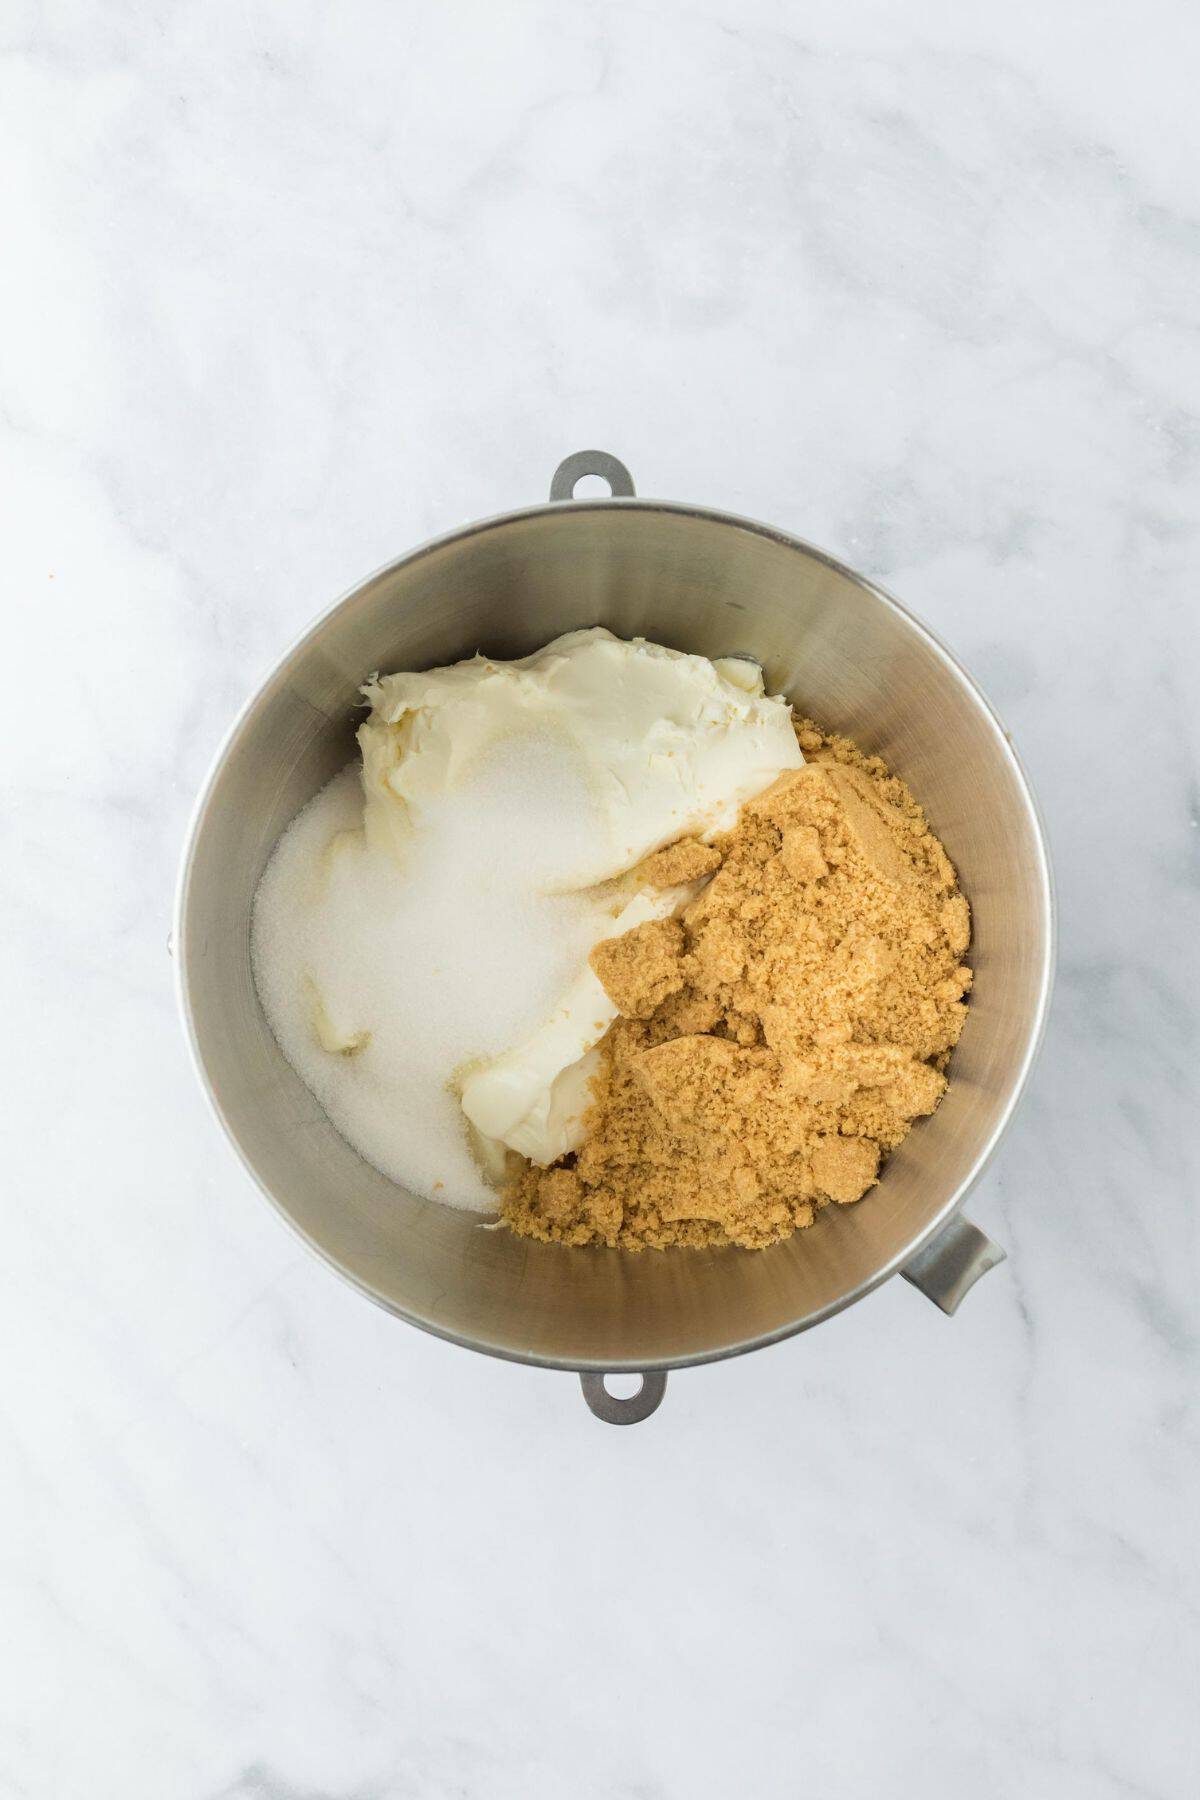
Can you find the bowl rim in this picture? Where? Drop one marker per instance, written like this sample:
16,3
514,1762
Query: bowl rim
1035,1036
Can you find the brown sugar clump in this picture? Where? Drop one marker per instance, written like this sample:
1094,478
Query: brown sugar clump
779,1040
800,853
845,1167
640,969
956,923
688,860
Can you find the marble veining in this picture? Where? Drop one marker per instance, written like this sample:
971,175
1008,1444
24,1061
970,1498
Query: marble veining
288,289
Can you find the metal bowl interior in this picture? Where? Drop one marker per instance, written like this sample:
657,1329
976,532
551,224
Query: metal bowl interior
701,581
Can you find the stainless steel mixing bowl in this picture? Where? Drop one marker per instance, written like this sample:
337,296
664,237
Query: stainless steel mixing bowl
841,649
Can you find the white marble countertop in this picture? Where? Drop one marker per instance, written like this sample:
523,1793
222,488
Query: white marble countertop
289,288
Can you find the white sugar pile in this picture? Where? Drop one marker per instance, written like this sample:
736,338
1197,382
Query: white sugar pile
414,971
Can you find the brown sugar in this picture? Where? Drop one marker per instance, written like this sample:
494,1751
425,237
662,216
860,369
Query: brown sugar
687,860
777,1041
802,855
642,968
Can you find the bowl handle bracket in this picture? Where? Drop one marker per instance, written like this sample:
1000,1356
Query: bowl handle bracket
617,1410
573,468
952,1262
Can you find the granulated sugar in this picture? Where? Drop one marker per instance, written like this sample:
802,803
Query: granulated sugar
414,971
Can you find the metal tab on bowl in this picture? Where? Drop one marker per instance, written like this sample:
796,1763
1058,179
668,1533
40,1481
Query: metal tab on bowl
573,468
631,1409
952,1262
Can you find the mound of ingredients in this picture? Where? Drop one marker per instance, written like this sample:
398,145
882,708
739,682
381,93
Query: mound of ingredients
609,941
